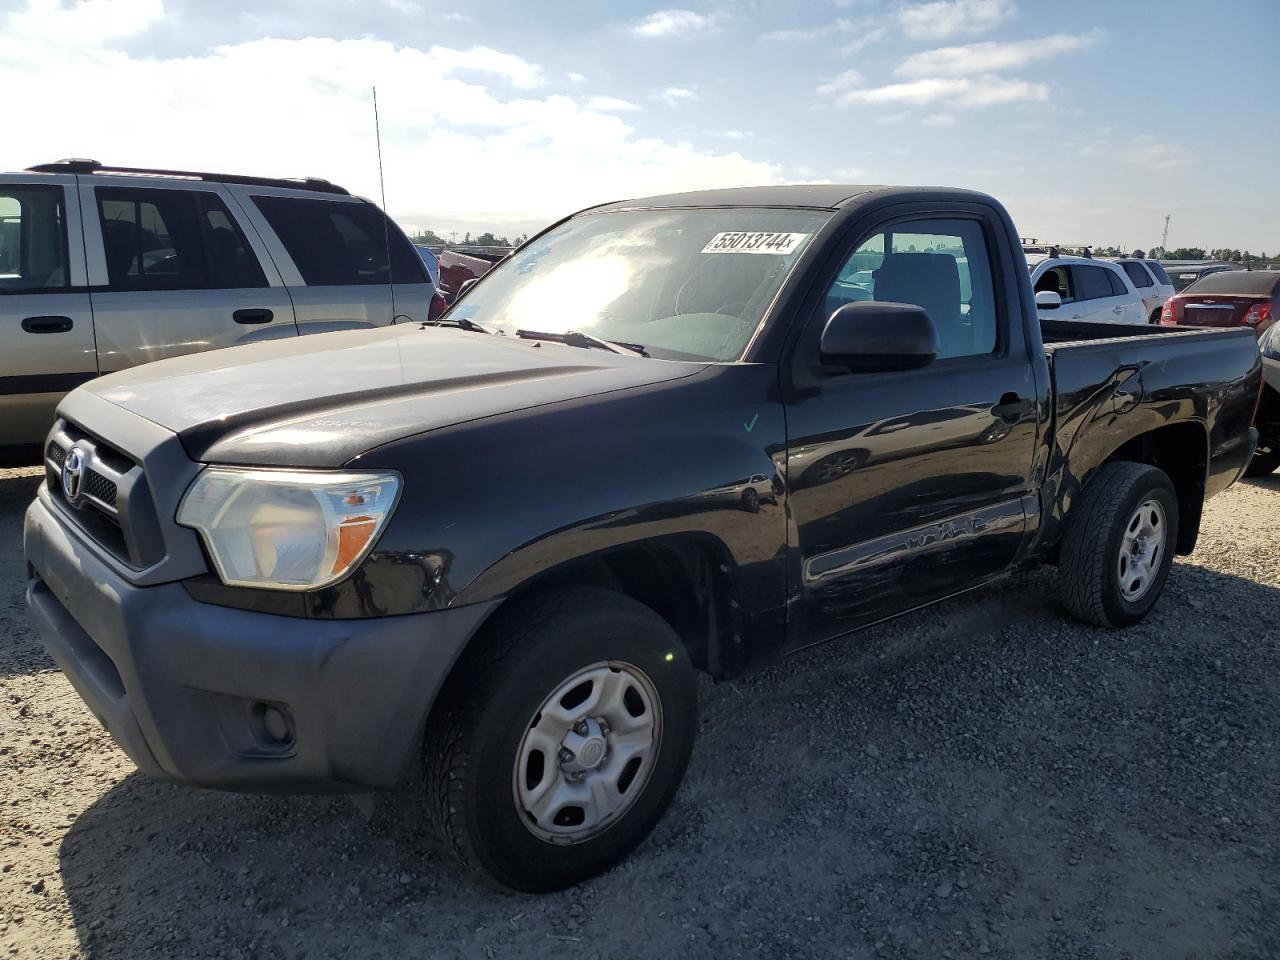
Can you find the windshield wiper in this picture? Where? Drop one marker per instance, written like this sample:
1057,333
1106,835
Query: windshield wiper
585,340
462,323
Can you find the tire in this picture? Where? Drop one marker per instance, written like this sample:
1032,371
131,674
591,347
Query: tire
485,737
1265,459
1095,584
750,500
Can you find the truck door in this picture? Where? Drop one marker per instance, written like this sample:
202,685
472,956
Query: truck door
332,250
46,323
907,487
174,273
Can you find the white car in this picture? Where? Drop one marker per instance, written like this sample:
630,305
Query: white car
1079,288
1151,282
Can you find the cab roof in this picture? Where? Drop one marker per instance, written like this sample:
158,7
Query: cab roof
821,196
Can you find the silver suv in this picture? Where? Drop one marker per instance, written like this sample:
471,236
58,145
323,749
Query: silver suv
102,268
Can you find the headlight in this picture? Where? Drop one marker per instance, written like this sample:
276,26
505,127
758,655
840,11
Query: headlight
287,529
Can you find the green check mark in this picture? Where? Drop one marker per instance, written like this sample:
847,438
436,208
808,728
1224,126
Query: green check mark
752,425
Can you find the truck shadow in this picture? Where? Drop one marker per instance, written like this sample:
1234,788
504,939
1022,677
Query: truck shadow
954,774
20,651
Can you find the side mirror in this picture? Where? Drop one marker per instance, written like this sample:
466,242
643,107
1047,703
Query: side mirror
874,336
1048,300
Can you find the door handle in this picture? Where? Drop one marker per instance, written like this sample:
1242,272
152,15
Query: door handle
1117,310
47,324
253,315
1011,407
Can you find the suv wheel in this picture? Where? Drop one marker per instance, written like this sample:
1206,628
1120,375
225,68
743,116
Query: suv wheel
1118,544
1265,459
561,738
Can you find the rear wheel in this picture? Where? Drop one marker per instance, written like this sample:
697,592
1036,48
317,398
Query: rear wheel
1265,459
1119,544
561,738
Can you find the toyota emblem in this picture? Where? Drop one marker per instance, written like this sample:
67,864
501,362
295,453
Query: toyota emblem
72,470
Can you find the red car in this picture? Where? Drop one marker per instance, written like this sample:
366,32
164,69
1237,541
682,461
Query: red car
1233,298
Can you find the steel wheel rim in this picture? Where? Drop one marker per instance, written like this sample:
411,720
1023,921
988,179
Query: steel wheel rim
580,768
1142,550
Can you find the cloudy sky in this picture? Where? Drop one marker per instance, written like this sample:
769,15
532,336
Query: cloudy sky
1091,119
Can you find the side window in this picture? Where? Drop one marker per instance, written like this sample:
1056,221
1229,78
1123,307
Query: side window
1057,280
1091,283
1118,289
151,239
232,263
940,265
33,239
335,243
1138,274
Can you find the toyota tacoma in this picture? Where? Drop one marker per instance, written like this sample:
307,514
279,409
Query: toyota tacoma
687,433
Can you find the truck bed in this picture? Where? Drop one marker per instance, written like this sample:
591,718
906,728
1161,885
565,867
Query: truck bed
1111,380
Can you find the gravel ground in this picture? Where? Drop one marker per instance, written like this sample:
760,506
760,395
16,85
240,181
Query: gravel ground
986,778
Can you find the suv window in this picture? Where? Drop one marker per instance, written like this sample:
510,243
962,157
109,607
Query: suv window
1138,274
1158,270
1057,280
1091,283
33,239
336,243
173,240
941,265
1118,289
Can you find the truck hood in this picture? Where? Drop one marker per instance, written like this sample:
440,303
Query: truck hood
321,400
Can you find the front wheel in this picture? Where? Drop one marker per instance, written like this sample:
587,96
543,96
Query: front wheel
561,738
1265,459
1119,543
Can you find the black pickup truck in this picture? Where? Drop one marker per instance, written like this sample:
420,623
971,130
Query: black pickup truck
686,433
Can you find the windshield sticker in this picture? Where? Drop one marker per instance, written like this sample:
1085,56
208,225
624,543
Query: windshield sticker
756,241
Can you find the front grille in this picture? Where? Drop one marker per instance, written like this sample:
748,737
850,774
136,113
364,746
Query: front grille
111,503
100,488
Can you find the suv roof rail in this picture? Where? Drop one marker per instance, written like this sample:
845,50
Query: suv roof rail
93,166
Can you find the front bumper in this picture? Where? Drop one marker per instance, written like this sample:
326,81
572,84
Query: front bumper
185,688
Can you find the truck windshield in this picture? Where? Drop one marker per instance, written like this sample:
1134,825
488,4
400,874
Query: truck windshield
684,284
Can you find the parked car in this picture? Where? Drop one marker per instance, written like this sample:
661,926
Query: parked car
102,268
1081,288
430,260
501,546
1151,283
1185,274
1266,459
1232,298
458,268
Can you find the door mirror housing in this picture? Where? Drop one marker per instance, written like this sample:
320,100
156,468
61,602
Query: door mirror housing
875,337
1048,300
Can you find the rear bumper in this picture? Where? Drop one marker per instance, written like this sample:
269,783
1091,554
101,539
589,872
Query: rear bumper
185,687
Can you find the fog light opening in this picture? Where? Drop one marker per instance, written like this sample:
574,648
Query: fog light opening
274,725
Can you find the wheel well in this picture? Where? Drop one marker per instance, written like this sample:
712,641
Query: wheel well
1181,450
688,581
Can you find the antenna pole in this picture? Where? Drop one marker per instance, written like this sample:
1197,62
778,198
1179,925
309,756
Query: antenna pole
382,185
1164,238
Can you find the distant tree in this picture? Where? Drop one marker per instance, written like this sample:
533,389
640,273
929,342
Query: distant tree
1225,253
487,239
1108,252
1159,253
428,237
467,238
1187,253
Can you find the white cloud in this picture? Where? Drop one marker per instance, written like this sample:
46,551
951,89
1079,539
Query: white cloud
669,23
676,95
610,104
948,91
840,84
576,77
939,120
799,34
737,134
1152,154
942,19
485,148
992,56
455,16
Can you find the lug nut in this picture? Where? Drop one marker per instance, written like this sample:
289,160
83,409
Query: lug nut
565,754
580,728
